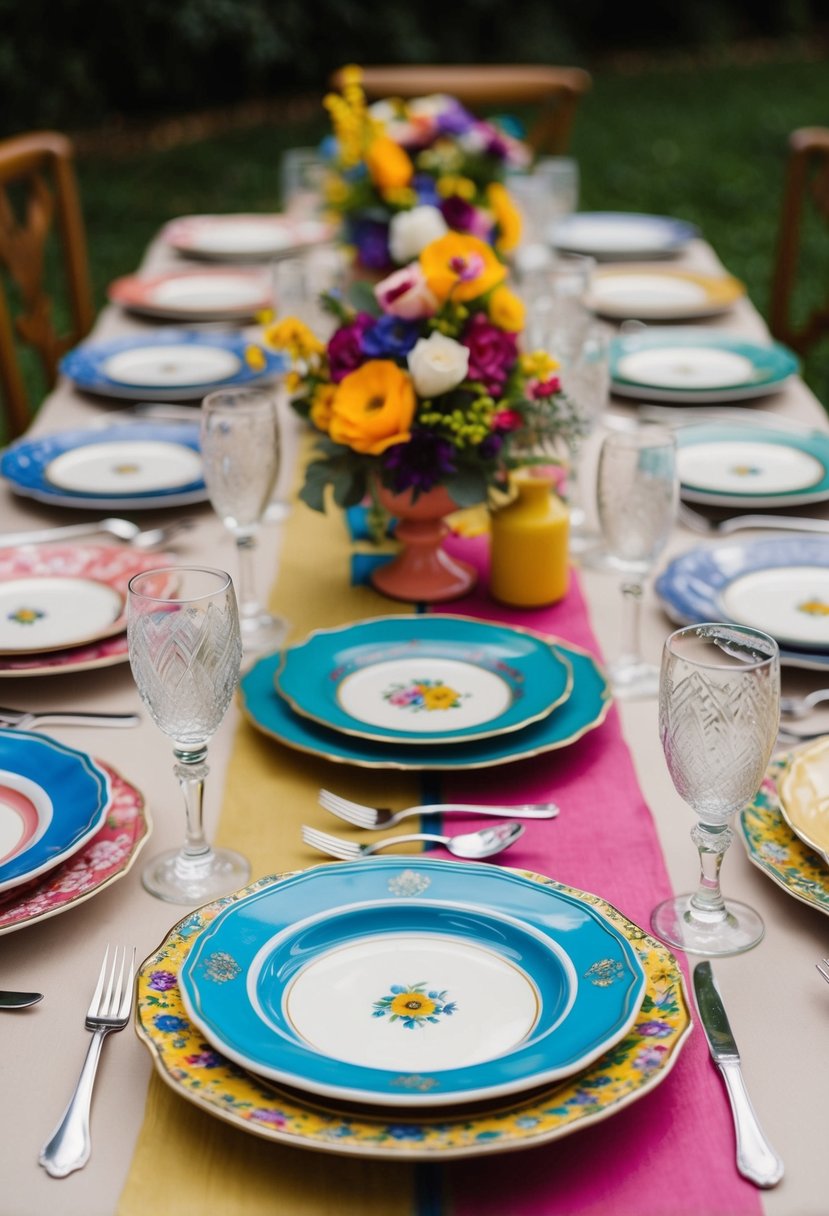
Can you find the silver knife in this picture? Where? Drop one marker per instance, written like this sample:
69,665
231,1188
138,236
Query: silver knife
756,1159
19,1000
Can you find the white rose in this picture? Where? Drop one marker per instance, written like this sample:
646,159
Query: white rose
411,231
437,364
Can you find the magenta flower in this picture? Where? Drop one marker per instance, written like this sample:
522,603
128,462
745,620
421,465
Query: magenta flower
345,350
540,389
492,353
462,216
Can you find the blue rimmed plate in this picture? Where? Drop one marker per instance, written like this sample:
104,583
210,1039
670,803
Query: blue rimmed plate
52,799
615,235
733,465
584,709
369,982
424,679
688,366
168,365
129,466
779,585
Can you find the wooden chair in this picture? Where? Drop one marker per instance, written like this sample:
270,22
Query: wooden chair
555,92
807,181
38,201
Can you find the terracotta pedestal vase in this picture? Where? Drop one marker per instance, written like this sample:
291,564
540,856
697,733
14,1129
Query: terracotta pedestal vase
422,571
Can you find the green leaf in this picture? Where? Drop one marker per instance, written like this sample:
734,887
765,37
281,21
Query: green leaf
467,487
361,296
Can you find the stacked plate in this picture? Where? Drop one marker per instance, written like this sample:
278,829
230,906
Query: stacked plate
696,366
133,466
169,365
779,585
659,293
621,235
244,238
426,692
743,465
195,295
784,828
63,606
464,995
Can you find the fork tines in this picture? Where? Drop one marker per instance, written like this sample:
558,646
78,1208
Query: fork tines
823,968
334,846
112,998
351,812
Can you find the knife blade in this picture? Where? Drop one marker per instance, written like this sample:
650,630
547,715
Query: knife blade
756,1159
19,1000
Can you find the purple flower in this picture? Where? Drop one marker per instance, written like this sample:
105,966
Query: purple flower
649,1057
420,464
162,981
655,1029
490,447
371,238
345,350
205,1059
454,119
274,1118
464,217
492,353
390,338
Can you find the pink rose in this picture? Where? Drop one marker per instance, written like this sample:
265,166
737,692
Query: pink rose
406,294
492,353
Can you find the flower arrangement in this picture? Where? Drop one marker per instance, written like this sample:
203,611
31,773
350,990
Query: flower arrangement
423,383
403,173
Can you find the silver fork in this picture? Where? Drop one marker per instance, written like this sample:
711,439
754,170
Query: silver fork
22,719
738,523
383,817
473,846
69,1147
823,968
122,529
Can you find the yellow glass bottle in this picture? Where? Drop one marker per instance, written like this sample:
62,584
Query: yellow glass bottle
529,564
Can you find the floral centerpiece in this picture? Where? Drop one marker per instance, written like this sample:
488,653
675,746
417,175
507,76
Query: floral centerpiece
424,384
403,173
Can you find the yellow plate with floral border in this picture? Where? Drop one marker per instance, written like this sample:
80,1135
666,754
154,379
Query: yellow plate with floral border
774,848
804,795
633,1067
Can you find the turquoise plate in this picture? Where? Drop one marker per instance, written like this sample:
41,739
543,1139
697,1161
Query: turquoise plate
52,799
585,708
424,679
411,982
689,366
727,465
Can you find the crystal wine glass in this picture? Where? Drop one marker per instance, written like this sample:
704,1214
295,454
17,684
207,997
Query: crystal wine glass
637,495
586,380
719,711
185,651
240,446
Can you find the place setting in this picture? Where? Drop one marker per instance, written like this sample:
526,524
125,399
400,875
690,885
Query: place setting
245,237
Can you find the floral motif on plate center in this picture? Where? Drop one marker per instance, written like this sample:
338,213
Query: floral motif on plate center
426,695
814,607
414,1005
26,616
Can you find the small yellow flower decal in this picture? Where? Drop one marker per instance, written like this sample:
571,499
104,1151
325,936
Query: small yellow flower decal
26,616
414,1005
440,696
814,607
255,358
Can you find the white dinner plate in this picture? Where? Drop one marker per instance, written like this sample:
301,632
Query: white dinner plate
125,468
48,613
193,295
243,238
170,366
620,234
660,294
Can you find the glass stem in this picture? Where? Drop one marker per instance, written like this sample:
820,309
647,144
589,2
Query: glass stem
574,499
707,903
249,605
631,611
191,772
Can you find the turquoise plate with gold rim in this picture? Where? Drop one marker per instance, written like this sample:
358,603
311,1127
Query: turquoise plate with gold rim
411,982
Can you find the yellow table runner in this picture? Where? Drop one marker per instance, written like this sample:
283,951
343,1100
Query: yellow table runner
187,1163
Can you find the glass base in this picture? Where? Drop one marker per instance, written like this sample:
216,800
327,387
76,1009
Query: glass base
679,925
262,633
181,879
633,681
276,512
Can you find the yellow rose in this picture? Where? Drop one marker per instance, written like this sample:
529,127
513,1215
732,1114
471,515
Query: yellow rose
506,310
321,405
461,266
373,408
388,164
507,217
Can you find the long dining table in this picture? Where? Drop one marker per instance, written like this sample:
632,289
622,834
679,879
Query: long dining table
669,1153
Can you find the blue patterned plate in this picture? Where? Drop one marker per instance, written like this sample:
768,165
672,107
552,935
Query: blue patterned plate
411,981
424,679
780,585
52,799
733,465
168,365
618,235
689,366
130,449
585,708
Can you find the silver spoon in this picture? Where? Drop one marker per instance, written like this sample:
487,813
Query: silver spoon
470,845
801,707
21,719
123,529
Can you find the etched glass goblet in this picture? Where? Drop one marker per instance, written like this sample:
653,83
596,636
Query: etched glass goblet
637,494
185,652
240,446
719,711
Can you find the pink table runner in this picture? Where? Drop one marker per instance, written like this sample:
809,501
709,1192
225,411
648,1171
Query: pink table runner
672,1152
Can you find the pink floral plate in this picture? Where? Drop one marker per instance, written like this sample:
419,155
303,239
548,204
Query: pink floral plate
110,565
104,859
